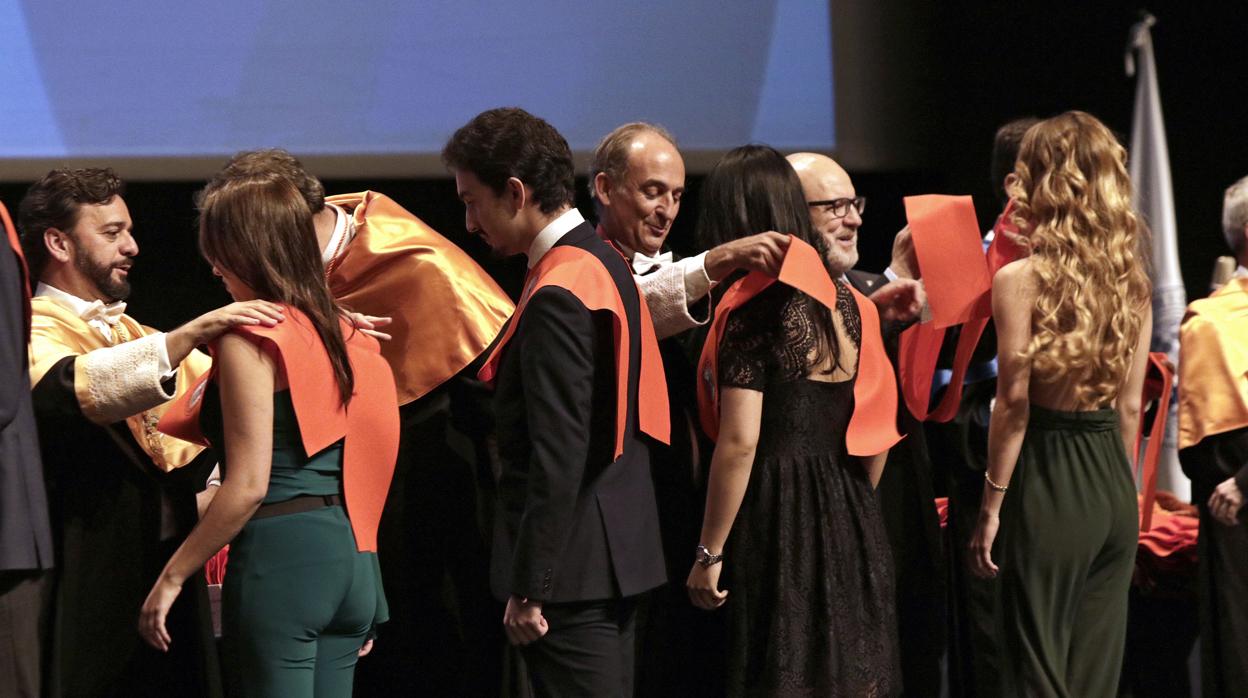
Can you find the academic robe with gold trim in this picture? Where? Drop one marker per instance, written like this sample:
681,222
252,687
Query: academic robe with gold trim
1213,447
122,497
446,310
434,535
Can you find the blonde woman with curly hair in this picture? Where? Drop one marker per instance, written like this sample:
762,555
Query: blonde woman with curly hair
1073,323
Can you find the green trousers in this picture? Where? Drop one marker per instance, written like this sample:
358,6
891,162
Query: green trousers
1069,530
298,603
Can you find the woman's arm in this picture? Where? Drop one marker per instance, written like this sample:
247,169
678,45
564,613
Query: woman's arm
1013,294
741,414
1132,395
246,377
875,467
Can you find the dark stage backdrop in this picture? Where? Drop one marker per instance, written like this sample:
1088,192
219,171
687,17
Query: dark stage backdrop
1000,61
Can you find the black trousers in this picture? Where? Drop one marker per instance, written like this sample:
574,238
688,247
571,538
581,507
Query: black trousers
588,650
1223,593
24,598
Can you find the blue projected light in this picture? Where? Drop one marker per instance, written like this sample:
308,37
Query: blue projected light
148,79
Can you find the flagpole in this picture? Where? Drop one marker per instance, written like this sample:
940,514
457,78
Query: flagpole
1149,164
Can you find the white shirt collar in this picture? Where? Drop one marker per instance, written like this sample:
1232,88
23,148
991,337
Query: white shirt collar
97,313
642,262
344,230
78,305
552,232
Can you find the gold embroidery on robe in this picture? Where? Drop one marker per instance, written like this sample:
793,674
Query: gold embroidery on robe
58,332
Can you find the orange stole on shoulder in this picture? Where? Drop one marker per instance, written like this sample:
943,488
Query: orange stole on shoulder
369,425
873,424
957,276
580,272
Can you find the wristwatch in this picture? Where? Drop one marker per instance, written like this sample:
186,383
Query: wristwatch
706,558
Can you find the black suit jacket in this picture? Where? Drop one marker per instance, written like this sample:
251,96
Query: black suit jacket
573,523
25,537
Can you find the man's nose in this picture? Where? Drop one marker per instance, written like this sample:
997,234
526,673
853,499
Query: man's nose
853,219
129,246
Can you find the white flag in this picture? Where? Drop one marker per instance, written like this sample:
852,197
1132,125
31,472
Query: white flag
1154,200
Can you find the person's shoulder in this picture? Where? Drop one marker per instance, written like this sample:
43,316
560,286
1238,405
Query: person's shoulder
1016,277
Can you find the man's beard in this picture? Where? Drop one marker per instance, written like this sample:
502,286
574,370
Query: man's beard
840,262
102,276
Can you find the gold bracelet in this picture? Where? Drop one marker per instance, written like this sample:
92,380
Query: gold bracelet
993,485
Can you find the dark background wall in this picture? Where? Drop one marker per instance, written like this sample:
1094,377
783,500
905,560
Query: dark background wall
927,83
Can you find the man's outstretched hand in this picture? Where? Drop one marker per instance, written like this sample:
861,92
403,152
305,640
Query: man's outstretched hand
900,300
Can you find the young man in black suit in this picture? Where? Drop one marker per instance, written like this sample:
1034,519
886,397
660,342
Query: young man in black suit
576,536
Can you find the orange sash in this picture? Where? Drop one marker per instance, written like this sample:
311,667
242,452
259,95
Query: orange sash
873,424
369,424
1158,385
580,272
958,279
11,232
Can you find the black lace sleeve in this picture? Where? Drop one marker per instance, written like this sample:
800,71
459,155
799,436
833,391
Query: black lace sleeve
746,351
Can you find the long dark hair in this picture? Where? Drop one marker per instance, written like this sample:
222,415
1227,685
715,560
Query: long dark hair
754,189
260,228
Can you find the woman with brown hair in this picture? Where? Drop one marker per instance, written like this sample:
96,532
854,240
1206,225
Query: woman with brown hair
1073,323
305,419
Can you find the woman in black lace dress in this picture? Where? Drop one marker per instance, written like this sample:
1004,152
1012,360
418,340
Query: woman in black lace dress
807,573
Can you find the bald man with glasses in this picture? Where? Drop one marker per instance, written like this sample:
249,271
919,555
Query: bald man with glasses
905,490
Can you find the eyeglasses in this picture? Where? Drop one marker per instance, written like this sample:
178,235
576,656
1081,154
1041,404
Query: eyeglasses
839,208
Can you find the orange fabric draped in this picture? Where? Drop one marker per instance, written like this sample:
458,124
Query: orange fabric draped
582,274
369,425
445,309
1159,386
957,276
873,424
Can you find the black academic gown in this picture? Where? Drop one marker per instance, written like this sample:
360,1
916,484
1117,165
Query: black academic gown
109,505
1223,554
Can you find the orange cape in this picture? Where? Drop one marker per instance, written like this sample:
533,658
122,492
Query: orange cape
445,309
580,272
1213,364
873,424
369,424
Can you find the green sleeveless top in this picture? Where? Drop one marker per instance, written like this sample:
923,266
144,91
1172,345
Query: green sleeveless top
293,473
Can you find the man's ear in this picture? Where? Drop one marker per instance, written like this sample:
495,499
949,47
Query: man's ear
1008,182
517,196
602,188
58,243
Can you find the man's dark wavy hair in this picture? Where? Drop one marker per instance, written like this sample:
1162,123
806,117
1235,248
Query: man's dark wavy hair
510,142
55,202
